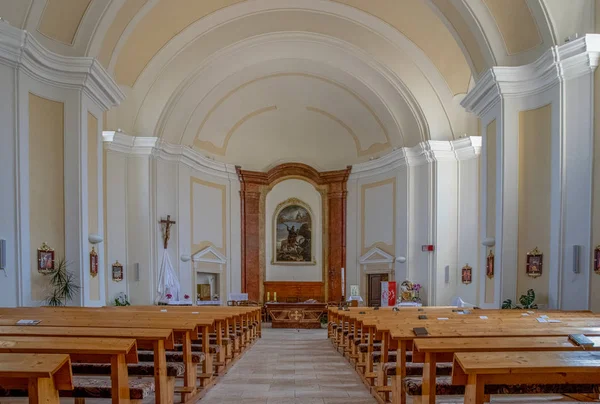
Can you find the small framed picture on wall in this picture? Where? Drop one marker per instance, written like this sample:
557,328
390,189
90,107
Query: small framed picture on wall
489,267
45,257
467,274
93,262
597,260
117,272
535,262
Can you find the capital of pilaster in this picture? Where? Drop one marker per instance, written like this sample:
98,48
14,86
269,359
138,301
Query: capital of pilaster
559,63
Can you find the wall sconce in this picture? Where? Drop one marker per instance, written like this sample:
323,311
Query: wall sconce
401,259
185,258
95,239
489,242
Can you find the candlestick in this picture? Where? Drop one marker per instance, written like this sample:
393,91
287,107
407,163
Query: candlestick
275,296
268,296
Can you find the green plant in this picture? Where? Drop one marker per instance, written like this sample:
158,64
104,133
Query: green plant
121,300
63,285
324,319
526,300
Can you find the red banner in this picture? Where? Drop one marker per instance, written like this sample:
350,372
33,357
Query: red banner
388,294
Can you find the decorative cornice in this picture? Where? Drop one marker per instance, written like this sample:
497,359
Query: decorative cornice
376,256
204,256
20,50
423,153
557,64
152,146
293,170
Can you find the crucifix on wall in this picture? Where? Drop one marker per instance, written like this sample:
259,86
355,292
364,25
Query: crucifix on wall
167,229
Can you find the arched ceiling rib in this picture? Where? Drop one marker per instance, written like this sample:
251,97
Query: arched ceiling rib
411,62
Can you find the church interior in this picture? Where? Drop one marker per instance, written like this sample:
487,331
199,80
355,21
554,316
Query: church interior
299,201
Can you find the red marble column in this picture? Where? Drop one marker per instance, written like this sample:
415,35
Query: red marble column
254,184
337,237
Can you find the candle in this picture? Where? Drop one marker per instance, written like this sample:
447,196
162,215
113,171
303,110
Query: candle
268,296
275,296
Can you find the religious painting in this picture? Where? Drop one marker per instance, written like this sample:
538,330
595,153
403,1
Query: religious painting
467,273
93,262
354,291
292,233
117,272
597,260
45,259
489,267
535,260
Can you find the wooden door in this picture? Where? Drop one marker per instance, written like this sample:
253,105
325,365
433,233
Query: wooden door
374,293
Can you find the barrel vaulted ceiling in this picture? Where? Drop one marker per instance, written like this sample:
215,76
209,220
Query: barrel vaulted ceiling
323,82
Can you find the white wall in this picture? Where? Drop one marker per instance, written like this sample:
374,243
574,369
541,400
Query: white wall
9,203
26,67
468,229
434,185
148,180
305,192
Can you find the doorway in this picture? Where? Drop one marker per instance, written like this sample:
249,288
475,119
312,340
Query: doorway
374,291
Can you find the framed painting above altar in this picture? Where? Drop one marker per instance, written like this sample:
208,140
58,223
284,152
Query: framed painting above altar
292,235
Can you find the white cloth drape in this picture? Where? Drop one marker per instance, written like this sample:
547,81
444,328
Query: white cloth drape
458,302
167,280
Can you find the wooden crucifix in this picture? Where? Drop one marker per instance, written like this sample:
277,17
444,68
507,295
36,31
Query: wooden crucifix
167,232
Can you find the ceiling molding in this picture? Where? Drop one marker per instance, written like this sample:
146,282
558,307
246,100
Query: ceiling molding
157,148
421,154
20,50
557,64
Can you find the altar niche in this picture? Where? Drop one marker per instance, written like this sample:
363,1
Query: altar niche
209,277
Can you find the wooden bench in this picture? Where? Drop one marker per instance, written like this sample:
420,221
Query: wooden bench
434,350
118,352
475,370
42,375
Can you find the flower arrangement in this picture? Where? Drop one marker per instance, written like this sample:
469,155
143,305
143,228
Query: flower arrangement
169,296
121,300
409,292
186,297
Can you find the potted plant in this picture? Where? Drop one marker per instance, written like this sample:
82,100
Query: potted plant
63,285
526,300
324,321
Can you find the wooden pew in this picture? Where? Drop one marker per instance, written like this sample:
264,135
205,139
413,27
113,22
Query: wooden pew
433,350
380,324
156,339
186,330
41,374
184,322
476,370
118,352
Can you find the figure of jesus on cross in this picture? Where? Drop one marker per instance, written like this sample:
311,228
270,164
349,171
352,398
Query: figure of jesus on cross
167,229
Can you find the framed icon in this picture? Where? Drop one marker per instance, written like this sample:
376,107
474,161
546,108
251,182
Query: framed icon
45,259
117,272
535,262
93,262
467,274
489,266
597,260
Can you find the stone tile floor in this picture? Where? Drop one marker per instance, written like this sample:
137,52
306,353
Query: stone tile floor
288,366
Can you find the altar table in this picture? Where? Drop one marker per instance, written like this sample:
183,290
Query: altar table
296,315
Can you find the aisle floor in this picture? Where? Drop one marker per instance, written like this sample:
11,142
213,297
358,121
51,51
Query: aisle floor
288,366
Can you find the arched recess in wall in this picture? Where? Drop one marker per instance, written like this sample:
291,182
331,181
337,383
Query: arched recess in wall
255,186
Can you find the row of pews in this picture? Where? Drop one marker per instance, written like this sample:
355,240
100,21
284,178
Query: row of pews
468,352
121,353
